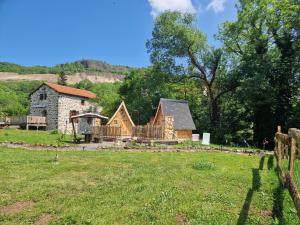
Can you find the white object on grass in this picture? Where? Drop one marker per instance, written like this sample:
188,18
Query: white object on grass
195,137
206,139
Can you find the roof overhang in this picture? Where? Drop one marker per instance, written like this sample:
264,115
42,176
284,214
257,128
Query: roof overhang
89,115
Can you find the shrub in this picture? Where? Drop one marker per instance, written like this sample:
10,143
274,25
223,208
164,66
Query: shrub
203,165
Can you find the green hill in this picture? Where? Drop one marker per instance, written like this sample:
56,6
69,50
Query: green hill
87,66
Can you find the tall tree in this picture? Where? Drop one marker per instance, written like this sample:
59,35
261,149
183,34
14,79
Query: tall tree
178,48
265,40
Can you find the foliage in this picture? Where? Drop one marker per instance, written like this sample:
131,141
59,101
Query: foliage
73,67
265,40
62,78
108,97
14,97
139,188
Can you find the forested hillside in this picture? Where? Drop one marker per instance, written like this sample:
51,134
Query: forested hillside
88,66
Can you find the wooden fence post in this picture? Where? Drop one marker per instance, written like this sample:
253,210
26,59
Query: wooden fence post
279,147
292,155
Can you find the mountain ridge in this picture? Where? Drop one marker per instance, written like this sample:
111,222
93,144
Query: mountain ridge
94,70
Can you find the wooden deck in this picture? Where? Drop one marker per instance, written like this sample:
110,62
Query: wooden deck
27,121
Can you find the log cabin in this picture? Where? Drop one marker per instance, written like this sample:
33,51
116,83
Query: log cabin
180,111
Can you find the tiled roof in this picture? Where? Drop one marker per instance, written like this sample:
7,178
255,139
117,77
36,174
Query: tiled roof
180,111
71,91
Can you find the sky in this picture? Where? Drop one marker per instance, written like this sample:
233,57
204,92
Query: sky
50,32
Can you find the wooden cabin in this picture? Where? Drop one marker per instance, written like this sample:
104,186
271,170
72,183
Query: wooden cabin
182,119
122,119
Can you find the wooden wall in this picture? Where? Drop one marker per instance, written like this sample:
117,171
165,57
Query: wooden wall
159,118
184,134
121,119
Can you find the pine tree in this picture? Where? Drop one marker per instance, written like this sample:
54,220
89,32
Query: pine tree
62,78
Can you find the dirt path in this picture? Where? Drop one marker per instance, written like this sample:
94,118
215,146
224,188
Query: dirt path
109,146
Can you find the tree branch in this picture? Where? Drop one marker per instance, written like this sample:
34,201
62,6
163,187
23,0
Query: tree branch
226,91
197,65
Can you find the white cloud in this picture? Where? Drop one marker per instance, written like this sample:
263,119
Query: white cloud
216,5
184,6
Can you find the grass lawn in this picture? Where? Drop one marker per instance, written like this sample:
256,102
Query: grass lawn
31,136
140,188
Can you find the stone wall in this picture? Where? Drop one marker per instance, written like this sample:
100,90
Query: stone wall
67,103
168,123
48,105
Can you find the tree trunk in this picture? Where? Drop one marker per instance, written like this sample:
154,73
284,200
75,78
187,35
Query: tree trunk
214,108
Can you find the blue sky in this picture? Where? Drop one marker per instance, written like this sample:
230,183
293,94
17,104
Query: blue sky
49,32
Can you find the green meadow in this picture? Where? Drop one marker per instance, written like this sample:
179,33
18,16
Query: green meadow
140,188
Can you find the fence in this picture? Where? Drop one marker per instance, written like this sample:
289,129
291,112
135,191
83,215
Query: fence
22,120
287,149
100,132
148,132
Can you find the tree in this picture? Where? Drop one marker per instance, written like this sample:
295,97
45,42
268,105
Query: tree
62,78
265,40
178,48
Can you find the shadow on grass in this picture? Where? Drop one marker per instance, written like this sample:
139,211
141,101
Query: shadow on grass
270,162
256,184
278,194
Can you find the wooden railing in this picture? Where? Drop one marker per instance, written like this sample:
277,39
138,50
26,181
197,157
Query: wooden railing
20,120
148,132
99,132
287,148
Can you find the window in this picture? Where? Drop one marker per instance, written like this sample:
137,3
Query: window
44,113
43,96
89,120
82,102
74,113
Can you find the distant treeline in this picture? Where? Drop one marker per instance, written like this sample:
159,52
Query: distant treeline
87,66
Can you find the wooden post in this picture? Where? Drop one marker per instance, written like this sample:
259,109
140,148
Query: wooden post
73,125
278,129
279,152
292,155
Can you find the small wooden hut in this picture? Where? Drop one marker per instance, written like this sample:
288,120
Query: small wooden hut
178,114
122,119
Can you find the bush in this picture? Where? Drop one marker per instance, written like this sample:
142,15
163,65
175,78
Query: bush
203,165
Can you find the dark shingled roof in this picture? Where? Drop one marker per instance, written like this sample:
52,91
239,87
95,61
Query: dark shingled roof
180,111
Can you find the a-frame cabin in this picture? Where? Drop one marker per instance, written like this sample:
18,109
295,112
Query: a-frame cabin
122,119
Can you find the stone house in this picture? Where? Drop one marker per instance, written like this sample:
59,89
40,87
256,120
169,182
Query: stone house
58,103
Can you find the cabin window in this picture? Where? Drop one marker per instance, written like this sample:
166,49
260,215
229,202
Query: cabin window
82,102
116,122
74,113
